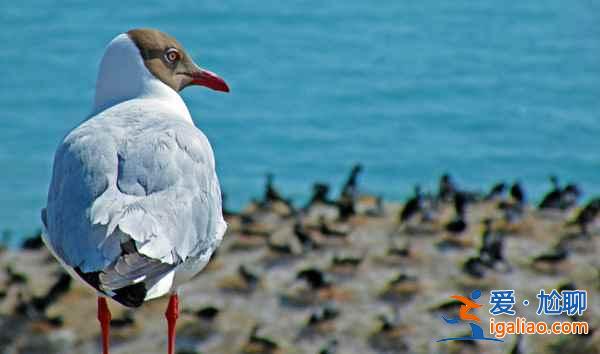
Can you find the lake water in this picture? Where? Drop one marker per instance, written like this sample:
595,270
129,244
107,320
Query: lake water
485,90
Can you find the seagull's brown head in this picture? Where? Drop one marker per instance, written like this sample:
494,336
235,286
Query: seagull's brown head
168,61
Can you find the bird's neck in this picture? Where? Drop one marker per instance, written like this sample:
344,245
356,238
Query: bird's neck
123,76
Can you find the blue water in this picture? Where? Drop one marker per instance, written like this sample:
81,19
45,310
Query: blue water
487,90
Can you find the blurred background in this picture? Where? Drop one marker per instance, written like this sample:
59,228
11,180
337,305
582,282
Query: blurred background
410,89
494,93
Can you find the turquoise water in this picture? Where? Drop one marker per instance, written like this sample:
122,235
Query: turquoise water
409,88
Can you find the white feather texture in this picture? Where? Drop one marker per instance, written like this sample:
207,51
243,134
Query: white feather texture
137,168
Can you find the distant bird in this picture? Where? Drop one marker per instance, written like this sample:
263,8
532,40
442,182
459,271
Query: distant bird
552,200
551,258
430,208
330,347
570,286
245,281
587,215
559,198
58,289
491,251
570,196
134,205
281,249
350,187
322,316
346,208
402,287
447,188
496,191
34,242
316,287
124,321
390,336
347,261
248,276
399,251
328,231
413,206
315,278
459,224
208,313
517,193
347,199
260,344
320,194
474,267
348,264
271,193
14,277
304,237
516,349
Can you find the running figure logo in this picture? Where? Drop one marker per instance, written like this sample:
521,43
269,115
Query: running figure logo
468,304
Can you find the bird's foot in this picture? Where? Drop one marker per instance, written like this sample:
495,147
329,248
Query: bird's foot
104,318
172,314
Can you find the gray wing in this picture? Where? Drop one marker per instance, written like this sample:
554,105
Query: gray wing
151,181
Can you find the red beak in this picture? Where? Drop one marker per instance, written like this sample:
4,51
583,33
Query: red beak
209,79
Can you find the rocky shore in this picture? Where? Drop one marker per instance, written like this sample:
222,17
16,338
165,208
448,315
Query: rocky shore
354,275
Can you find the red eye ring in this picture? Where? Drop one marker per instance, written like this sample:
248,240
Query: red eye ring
172,55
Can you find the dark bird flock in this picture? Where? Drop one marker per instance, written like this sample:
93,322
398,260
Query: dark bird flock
338,274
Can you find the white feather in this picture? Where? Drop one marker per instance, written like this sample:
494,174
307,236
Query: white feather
138,166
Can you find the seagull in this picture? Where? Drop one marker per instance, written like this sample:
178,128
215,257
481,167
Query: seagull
134,206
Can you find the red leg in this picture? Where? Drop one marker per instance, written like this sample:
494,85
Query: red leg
104,318
172,314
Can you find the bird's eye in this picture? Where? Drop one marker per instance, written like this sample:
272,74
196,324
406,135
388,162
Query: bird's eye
172,55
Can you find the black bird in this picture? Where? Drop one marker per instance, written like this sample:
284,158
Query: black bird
326,230
398,251
302,235
459,224
566,286
446,188
320,194
570,196
412,207
587,215
323,314
491,251
59,288
34,242
346,209
315,278
124,321
14,277
552,199
348,261
474,267
282,249
248,276
558,254
330,347
259,344
271,193
208,313
386,324
496,191
516,349
350,187
517,193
